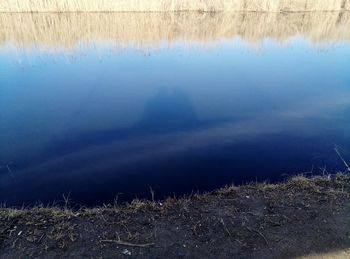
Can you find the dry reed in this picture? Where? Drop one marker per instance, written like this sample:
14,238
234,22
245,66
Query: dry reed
171,5
151,29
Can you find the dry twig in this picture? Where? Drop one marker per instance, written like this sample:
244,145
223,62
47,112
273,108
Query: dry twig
120,242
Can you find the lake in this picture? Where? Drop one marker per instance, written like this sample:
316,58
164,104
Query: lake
102,105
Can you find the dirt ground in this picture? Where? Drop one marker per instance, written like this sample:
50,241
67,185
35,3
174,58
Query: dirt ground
301,218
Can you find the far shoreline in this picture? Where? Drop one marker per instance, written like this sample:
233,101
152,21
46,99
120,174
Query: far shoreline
172,6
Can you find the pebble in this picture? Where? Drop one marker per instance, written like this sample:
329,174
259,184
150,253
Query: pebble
126,252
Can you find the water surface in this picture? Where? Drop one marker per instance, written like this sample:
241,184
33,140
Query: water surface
97,105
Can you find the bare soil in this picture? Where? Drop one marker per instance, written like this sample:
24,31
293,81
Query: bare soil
297,218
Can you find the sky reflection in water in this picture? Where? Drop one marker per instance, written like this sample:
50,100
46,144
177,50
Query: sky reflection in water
95,121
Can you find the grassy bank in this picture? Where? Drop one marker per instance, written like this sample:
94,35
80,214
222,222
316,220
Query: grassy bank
172,5
304,217
68,30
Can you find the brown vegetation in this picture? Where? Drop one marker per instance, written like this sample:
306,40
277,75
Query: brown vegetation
152,29
301,217
171,5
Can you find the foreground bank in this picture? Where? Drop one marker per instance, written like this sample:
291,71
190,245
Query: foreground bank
301,217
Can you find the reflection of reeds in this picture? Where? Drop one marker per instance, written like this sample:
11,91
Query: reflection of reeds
171,5
149,29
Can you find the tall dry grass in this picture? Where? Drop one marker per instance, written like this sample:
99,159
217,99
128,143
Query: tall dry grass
67,30
171,5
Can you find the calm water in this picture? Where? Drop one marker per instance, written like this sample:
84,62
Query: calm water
99,115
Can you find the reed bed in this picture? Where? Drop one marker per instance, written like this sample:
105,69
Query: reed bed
68,30
172,5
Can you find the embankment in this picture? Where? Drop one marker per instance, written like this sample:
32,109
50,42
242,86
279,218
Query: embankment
301,218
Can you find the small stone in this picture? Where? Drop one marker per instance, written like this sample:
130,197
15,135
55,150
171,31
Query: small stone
126,252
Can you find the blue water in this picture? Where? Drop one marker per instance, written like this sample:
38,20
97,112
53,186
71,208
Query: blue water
95,123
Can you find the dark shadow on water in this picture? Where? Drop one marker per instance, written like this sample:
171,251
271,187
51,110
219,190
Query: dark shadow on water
206,168
169,111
